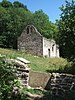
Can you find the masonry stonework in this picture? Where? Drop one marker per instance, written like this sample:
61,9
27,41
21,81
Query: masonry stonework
50,48
33,42
59,83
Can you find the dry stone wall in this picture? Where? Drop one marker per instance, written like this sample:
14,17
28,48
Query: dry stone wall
61,83
58,83
22,70
23,76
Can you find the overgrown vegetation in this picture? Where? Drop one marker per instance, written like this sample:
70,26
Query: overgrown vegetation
8,82
66,27
7,78
37,63
14,17
42,64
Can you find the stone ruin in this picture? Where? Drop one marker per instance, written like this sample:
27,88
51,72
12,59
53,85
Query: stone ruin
22,70
31,41
59,83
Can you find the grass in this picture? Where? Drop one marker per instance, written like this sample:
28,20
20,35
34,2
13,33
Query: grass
37,63
44,65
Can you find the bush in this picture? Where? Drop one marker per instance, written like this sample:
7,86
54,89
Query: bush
70,67
6,79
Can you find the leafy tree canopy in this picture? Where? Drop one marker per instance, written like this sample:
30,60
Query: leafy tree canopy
6,3
14,17
17,4
66,26
44,26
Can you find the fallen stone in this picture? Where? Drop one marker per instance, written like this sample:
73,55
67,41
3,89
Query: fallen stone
23,60
33,96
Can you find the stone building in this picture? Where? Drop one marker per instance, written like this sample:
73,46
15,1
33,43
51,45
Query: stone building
33,42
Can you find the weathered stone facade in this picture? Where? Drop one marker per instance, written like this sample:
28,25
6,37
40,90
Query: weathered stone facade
33,42
50,48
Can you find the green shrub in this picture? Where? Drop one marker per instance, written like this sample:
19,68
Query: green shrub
70,67
6,79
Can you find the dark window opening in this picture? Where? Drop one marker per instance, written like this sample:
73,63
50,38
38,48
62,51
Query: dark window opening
31,30
53,47
49,52
27,30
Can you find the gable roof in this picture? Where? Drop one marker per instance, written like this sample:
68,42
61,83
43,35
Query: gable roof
33,28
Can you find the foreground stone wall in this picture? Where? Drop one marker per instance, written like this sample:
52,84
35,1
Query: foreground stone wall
56,82
38,79
21,70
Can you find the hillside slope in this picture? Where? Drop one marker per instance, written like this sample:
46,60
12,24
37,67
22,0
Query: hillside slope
37,63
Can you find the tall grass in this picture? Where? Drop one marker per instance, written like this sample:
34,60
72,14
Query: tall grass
37,63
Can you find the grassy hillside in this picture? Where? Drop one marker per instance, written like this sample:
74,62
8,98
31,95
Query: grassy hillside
37,63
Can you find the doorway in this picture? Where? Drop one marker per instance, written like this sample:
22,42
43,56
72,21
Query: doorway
48,52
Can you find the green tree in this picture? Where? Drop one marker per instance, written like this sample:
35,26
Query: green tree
12,22
66,26
15,17
17,4
44,26
6,3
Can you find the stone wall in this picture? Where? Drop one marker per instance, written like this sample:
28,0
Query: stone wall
22,70
50,48
56,82
31,41
59,83
23,76
38,79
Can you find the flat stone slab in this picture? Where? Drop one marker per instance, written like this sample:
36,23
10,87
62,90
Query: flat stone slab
23,60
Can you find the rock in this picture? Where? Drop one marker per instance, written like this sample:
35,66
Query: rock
20,64
23,60
22,70
33,96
